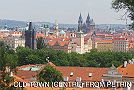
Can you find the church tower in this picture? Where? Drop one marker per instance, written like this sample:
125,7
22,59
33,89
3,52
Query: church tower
92,25
80,35
56,31
30,37
88,22
93,40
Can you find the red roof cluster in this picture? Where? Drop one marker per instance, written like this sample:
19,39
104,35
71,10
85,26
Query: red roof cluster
82,72
127,71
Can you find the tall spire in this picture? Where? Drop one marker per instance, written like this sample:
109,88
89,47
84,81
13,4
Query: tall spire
80,19
88,19
30,27
80,23
30,36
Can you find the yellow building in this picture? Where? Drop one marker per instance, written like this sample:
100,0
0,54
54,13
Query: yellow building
104,45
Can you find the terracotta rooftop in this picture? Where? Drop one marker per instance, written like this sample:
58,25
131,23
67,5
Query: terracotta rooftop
82,72
60,43
40,35
26,75
127,71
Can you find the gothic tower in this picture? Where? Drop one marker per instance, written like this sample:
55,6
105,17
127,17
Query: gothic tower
56,31
88,22
92,25
80,23
80,35
30,37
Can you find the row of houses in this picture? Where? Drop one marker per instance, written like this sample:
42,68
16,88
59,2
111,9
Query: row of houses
70,41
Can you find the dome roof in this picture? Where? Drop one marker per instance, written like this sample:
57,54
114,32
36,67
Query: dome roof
62,32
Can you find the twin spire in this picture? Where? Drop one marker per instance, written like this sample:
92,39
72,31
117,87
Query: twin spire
87,20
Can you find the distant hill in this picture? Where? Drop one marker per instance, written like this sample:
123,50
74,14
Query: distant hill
112,26
14,23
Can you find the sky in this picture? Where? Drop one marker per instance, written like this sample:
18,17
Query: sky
64,11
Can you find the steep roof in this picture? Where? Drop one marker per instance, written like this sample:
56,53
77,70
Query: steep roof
82,72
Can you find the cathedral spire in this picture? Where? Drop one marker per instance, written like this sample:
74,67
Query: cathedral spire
88,19
80,23
80,19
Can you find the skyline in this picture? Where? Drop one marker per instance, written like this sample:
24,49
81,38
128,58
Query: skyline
64,11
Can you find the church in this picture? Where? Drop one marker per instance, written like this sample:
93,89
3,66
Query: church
88,26
79,41
83,41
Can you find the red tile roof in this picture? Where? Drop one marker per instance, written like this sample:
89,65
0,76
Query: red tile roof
26,75
60,43
123,38
127,71
82,72
40,35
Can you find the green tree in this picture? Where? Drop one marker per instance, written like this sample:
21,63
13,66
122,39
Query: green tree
40,43
8,58
22,54
50,74
128,5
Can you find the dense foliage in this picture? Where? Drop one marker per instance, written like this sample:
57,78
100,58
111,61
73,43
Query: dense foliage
61,58
24,56
40,43
50,74
8,58
128,5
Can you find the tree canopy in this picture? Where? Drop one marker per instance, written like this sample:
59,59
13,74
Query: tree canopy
40,43
128,5
24,56
50,74
61,58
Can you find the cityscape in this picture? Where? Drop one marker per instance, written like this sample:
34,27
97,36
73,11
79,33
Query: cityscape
41,55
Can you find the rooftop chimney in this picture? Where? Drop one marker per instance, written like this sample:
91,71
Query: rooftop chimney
129,61
125,63
90,74
71,74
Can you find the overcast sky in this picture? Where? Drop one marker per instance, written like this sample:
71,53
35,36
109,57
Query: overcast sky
64,11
